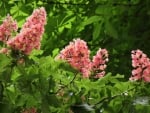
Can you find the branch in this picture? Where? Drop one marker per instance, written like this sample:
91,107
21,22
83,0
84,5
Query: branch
128,4
73,79
64,86
106,98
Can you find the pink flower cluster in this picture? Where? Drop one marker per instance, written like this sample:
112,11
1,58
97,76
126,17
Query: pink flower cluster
141,65
7,28
99,62
78,55
30,35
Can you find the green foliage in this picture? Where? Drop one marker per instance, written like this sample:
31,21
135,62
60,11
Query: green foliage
53,86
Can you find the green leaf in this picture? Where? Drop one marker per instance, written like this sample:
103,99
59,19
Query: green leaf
97,30
110,30
60,29
55,52
68,26
4,61
34,54
32,71
11,94
124,86
91,20
102,10
15,74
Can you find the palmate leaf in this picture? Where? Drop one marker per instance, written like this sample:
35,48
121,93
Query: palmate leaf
34,55
48,101
97,30
111,30
11,94
55,52
87,21
4,61
15,74
46,65
91,20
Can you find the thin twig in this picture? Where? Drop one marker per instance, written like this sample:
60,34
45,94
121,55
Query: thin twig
106,98
73,79
64,86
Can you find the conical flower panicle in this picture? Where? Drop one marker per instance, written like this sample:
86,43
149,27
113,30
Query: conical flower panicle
77,54
141,65
38,17
30,35
7,28
99,62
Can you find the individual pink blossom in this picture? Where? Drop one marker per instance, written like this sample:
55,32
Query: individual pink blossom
21,61
141,65
7,28
30,110
4,51
78,55
30,35
99,62
100,74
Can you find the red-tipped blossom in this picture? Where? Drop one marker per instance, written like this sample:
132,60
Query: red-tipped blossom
99,62
30,35
78,55
7,28
141,65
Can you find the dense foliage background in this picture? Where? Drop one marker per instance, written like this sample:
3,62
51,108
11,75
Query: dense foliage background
54,87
